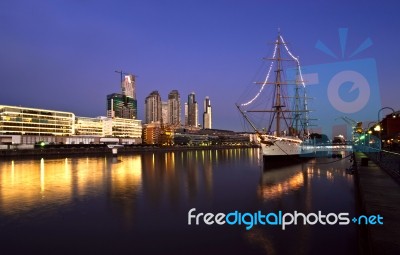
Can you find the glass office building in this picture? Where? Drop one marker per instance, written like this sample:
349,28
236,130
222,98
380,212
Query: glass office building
121,106
89,126
33,121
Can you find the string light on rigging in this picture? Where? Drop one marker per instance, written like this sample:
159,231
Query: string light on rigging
270,68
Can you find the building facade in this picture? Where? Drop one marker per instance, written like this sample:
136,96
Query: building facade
153,107
121,106
33,121
207,121
390,131
89,126
126,128
151,133
191,111
32,125
174,108
164,112
128,86
107,127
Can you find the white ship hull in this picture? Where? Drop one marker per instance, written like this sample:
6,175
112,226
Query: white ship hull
282,147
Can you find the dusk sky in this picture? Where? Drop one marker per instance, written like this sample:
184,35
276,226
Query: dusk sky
62,55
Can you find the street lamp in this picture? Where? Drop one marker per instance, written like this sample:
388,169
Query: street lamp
383,108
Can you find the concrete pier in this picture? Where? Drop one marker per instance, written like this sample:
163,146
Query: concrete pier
380,194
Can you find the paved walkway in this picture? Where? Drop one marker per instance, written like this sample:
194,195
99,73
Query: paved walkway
389,161
380,194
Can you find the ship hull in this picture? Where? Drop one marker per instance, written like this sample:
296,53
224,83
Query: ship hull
283,150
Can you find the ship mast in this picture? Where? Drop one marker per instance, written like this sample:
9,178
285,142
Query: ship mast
278,81
297,113
279,113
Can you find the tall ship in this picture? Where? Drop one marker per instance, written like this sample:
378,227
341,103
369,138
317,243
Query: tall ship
280,100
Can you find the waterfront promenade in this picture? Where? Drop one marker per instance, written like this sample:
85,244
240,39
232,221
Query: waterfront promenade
380,194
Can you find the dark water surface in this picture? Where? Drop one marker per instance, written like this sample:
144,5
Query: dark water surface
138,204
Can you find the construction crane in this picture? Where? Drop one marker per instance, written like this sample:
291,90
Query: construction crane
356,126
122,73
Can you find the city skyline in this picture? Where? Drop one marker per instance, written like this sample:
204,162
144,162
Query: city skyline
168,112
61,54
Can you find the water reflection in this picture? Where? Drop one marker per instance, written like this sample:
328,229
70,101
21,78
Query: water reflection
171,176
178,176
174,177
277,183
318,185
26,185
281,181
121,205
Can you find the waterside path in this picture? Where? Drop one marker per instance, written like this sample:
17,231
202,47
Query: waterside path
380,194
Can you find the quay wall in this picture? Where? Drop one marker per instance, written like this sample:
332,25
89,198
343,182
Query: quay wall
68,151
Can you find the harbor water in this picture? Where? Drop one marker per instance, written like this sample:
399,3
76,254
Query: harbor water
139,204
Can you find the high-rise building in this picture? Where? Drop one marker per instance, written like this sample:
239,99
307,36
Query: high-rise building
174,108
153,107
128,85
191,111
121,106
186,114
207,114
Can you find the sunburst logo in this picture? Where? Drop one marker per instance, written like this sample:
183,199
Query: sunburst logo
359,92
343,41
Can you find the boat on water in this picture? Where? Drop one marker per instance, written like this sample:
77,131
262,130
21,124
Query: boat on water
285,132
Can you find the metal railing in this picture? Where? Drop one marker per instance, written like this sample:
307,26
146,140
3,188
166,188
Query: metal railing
387,160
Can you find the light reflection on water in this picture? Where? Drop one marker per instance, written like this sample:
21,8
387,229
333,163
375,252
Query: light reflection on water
25,185
272,189
124,204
